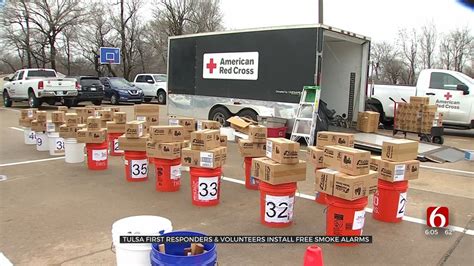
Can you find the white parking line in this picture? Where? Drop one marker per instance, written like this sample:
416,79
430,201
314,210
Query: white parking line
32,161
448,170
17,128
405,218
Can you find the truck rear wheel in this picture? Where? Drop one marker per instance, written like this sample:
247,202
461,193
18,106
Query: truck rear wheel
220,114
161,96
33,102
7,102
247,113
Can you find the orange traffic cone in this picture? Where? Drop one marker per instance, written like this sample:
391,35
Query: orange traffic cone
313,256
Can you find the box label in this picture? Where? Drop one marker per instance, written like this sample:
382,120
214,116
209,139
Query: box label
175,172
50,127
30,113
278,209
399,174
99,155
141,118
173,122
206,159
402,201
199,125
139,168
268,151
208,188
359,219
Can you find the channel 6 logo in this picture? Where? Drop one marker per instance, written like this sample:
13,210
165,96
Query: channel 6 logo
437,216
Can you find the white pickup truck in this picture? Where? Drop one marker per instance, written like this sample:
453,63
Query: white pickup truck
452,91
38,86
153,85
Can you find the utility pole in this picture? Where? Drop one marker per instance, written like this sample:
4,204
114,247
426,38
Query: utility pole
320,11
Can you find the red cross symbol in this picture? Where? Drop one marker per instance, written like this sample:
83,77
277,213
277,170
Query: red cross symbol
211,65
448,96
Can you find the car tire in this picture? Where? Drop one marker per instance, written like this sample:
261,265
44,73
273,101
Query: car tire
97,102
161,96
7,102
220,114
147,100
114,99
33,102
247,113
70,103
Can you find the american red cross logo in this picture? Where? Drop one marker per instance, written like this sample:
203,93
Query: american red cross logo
447,95
211,65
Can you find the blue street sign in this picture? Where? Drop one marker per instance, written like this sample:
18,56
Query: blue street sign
109,55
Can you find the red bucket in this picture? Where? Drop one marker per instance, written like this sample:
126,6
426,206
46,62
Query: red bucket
345,217
114,149
321,198
136,166
168,174
97,156
276,204
205,186
250,181
390,201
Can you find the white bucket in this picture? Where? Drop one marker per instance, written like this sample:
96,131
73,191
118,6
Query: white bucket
30,136
74,151
56,144
137,254
42,141
229,132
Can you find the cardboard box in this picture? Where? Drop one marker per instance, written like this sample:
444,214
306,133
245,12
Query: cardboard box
419,100
41,116
29,113
38,126
72,119
395,171
208,124
169,151
250,149
89,136
282,150
66,131
136,144
114,109
63,109
368,121
257,134
120,117
189,124
105,115
165,134
345,186
93,123
276,173
134,129
223,140
399,150
240,124
205,159
152,120
325,138
187,135
25,122
347,160
315,157
146,110
113,127
203,140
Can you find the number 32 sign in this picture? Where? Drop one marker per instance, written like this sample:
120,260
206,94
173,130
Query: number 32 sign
279,209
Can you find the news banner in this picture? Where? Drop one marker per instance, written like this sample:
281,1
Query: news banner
247,239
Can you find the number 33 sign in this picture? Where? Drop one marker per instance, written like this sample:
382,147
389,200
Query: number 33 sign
278,209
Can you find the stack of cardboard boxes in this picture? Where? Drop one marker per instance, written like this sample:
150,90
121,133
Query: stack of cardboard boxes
347,175
58,118
255,145
71,127
117,124
368,121
93,133
26,116
188,124
39,123
281,164
165,142
205,151
84,112
148,113
325,138
208,124
418,115
135,136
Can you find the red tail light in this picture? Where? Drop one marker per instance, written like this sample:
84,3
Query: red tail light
40,85
78,86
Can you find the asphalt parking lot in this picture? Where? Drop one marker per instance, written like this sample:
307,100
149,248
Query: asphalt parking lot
58,213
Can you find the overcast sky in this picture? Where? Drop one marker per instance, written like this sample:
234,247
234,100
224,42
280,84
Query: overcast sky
377,19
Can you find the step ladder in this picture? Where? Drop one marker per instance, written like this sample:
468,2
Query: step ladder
309,100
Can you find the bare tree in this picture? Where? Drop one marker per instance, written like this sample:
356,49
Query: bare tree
408,42
206,16
461,42
445,57
428,40
176,14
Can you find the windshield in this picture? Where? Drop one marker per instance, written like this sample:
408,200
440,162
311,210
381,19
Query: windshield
41,73
466,78
121,82
90,81
160,78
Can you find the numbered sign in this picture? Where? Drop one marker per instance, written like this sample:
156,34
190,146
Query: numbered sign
208,188
99,155
402,201
116,146
175,172
278,209
39,142
139,168
359,220
32,135
59,144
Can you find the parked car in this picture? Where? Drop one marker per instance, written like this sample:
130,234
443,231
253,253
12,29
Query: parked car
36,86
153,85
451,91
88,89
120,90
